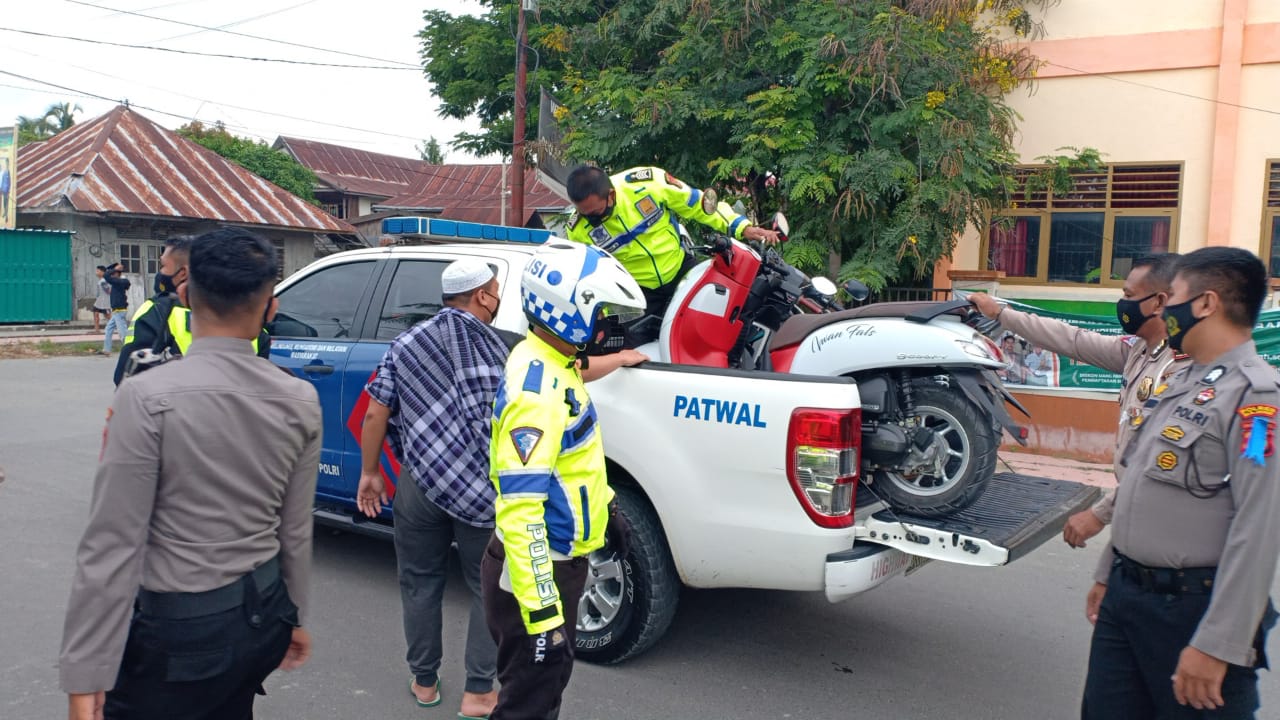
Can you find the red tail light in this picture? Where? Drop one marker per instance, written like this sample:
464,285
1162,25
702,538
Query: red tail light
822,463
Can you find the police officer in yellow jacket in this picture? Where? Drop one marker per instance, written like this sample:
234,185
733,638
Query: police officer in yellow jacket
633,215
162,323
548,466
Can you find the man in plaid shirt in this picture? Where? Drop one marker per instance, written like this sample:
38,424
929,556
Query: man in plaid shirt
435,387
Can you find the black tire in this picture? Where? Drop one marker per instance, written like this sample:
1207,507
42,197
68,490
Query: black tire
649,589
974,429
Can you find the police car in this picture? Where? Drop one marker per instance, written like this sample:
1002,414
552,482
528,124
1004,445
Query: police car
726,475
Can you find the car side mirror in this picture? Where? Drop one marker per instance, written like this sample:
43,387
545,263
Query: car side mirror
857,290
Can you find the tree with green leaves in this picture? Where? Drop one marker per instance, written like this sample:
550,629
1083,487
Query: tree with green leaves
57,118
879,126
430,152
256,156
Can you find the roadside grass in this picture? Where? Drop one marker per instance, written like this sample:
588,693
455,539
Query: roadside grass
47,348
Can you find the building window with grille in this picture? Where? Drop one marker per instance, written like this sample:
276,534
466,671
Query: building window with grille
1091,235
1271,218
153,259
131,258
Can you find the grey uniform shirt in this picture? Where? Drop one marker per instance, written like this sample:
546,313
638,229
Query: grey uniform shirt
1141,370
208,471
1195,435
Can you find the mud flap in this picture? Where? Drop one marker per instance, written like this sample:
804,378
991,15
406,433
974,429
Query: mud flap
972,387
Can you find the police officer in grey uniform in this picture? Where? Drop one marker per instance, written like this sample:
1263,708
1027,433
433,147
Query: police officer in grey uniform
191,578
1142,357
1183,619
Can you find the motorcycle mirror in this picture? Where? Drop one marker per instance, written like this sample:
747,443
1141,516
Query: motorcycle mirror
824,286
781,225
857,290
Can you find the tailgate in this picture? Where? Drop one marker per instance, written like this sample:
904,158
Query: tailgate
1015,515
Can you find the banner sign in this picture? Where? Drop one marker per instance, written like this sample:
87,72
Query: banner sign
1032,366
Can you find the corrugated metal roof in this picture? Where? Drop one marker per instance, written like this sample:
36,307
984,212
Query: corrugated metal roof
122,162
473,193
465,192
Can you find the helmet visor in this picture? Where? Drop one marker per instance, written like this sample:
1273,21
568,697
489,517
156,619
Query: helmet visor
622,314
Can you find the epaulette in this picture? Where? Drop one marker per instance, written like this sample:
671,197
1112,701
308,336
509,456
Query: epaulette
574,217
639,175
1131,340
1260,374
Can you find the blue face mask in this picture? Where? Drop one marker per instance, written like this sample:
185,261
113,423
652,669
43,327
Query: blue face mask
1178,321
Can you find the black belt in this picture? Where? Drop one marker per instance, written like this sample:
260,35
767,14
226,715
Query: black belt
183,605
1167,581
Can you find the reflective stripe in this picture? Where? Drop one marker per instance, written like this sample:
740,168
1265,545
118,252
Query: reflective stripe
524,482
586,512
559,520
734,226
694,195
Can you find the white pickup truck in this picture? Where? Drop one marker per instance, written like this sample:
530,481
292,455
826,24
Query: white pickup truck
725,475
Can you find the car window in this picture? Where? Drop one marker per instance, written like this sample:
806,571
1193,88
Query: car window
414,296
323,305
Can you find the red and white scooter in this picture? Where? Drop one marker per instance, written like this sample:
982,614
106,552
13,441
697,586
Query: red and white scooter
932,406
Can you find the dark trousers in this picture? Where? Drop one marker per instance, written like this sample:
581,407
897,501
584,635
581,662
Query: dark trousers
529,691
208,667
423,534
656,300
1137,640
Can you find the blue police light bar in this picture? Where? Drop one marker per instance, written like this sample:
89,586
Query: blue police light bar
437,228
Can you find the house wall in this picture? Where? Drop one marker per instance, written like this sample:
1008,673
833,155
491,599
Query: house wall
98,242
1170,81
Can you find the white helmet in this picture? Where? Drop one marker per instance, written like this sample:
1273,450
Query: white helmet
567,287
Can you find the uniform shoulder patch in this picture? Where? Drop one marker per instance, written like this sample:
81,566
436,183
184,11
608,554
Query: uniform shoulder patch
672,181
1257,442
640,175
525,440
1131,340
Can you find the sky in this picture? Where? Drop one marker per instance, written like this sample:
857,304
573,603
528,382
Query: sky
382,110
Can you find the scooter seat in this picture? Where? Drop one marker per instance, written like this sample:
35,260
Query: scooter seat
798,327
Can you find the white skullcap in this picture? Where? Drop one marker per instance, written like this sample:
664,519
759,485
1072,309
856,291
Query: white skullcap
464,276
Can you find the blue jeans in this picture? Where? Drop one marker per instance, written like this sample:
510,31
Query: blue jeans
119,318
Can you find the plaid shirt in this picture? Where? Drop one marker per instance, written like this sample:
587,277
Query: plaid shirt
439,378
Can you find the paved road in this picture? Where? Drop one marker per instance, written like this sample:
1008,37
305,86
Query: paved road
1002,644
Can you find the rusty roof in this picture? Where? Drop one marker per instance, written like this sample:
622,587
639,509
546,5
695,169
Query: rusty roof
359,172
473,193
121,162
464,192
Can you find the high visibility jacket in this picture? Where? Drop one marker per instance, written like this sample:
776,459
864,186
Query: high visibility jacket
162,315
546,460
642,231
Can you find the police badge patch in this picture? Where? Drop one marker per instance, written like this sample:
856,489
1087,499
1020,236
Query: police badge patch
1167,461
1257,442
525,440
639,175
1144,388
1204,396
1173,432
1212,376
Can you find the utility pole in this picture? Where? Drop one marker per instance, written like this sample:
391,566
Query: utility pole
517,144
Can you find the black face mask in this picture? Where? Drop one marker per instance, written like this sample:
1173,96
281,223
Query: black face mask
1178,321
597,218
497,305
1129,312
164,284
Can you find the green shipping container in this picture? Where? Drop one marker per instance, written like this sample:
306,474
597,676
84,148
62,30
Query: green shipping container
35,276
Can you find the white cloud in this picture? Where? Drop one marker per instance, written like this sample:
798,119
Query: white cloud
382,110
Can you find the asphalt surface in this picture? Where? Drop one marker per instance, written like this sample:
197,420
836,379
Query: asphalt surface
949,642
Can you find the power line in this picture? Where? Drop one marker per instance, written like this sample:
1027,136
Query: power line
240,34
242,22
95,96
1163,89
204,54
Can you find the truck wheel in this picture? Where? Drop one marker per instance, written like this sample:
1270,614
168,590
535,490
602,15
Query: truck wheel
971,443
628,604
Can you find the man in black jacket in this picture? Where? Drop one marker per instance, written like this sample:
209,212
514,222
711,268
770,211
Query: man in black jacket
119,305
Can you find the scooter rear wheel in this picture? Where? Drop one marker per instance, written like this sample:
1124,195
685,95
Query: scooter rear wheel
970,441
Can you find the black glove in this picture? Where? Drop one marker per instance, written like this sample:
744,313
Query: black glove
617,534
550,647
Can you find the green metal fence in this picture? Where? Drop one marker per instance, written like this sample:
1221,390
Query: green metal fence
35,276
